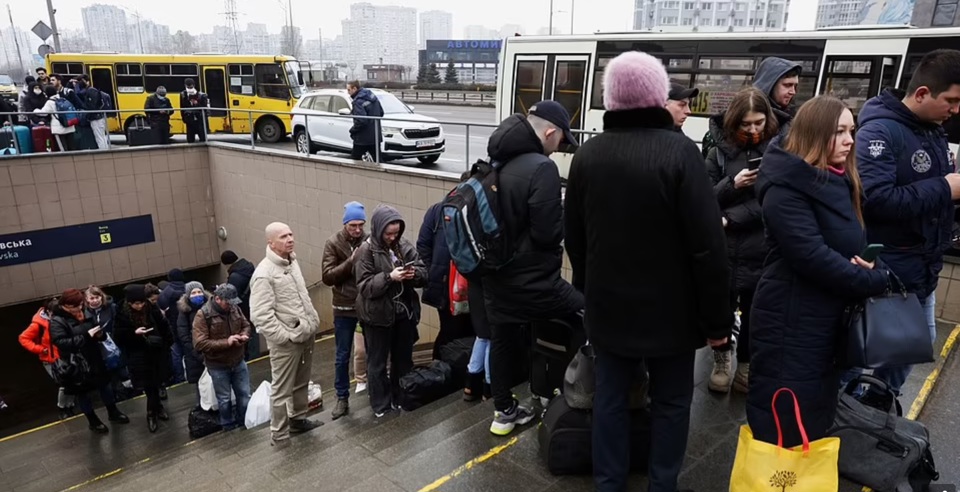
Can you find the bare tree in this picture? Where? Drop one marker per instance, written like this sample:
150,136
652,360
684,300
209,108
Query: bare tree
184,43
783,479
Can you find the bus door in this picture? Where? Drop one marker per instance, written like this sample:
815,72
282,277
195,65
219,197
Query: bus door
568,86
241,96
101,76
856,78
215,86
529,79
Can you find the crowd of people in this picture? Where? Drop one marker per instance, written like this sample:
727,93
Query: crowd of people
756,254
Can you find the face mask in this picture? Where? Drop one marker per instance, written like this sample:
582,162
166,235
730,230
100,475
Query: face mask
162,95
197,300
38,92
745,138
191,92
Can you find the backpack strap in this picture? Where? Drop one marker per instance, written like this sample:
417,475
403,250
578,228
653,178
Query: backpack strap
721,161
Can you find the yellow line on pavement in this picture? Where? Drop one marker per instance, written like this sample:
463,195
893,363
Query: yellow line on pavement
94,479
53,424
931,381
468,465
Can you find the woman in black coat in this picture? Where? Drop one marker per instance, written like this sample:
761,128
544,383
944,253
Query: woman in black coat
810,194
142,332
188,306
742,134
74,333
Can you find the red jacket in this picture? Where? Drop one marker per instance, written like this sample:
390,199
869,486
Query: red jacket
45,349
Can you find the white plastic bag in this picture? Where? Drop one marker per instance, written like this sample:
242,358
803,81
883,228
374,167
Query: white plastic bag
258,410
208,396
314,395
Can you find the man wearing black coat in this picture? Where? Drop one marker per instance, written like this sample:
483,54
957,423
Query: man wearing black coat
529,287
168,306
646,243
365,132
193,110
159,108
240,271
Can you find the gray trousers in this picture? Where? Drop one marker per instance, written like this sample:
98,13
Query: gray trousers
290,366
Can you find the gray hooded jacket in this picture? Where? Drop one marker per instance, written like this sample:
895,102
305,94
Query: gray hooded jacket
378,297
770,71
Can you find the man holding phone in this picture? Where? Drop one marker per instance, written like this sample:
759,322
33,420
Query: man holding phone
220,334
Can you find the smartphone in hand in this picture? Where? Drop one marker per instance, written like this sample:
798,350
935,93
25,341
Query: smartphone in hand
754,164
871,252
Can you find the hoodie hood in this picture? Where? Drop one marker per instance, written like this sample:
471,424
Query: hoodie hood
727,145
781,168
41,318
243,267
889,105
514,137
184,306
382,217
364,94
770,71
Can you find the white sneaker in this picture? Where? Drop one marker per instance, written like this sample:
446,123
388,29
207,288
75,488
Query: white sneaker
361,387
722,374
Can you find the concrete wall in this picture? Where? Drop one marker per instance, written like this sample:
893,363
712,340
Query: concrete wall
42,191
255,188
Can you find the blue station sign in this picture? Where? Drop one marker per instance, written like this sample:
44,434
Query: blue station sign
60,242
464,44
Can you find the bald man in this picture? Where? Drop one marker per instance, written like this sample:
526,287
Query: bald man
281,309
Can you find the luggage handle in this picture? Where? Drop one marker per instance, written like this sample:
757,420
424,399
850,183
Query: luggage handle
877,383
13,136
796,410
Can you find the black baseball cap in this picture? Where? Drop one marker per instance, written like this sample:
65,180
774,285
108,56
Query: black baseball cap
555,113
679,92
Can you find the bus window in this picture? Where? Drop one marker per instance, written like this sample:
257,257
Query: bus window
569,81
241,79
717,91
732,64
171,76
67,69
270,82
528,85
806,90
596,96
129,78
849,80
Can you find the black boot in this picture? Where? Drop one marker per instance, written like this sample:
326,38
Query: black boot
152,424
162,414
96,425
487,391
474,388
116,415
163,393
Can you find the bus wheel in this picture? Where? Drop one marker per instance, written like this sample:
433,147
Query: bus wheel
269,130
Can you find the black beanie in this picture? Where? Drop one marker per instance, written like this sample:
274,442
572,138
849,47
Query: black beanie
228,257
175,275
135,293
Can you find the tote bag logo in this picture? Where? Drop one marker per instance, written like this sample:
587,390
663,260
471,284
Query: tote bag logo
783,479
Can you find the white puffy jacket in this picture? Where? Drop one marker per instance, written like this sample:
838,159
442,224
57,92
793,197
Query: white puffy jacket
280,306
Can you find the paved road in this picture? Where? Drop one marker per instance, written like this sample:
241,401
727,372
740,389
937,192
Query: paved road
941,415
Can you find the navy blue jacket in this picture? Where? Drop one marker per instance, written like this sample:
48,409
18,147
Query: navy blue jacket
433,250
812,232
168,301
908,207
364,131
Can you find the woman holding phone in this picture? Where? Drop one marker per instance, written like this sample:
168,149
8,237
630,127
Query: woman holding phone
742,134
75,333
388,269
810,195
144,335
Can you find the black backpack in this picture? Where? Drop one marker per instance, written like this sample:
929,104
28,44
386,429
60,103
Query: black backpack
472,222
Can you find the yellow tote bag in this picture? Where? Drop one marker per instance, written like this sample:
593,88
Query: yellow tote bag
763,467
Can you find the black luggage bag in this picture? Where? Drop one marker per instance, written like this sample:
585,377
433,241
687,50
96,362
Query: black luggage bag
202,423
554,344
139,134
423,385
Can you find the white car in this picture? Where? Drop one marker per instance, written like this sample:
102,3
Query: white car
418,136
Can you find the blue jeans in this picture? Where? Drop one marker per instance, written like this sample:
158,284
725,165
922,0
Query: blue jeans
897,375
345,328
238,379
480,358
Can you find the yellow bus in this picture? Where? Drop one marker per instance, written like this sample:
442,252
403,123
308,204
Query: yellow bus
235,84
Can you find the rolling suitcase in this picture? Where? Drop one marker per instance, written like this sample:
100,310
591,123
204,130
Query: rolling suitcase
554,343
140,134
42,139
17,137
566,439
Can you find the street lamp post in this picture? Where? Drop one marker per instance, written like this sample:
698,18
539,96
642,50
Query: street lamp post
53,25
550,28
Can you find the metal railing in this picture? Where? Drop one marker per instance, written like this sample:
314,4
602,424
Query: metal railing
253,117
476,97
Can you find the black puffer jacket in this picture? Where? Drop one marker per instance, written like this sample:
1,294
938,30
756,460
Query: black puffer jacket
184,333
71,336
807,282
148,357
529,287
745,245
240,274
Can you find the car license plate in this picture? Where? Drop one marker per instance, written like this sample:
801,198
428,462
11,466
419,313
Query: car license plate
426,143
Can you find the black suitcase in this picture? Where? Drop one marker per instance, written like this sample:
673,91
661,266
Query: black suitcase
202,423
424,385
139,134
554,343
565,436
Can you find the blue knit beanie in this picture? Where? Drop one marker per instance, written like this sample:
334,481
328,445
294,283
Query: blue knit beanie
354,211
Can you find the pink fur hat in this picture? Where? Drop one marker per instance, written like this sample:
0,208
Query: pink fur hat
635,80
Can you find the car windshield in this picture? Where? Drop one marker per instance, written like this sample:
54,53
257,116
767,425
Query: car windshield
392,105
5,80
294,78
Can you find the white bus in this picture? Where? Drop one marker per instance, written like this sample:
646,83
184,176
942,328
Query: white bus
852,64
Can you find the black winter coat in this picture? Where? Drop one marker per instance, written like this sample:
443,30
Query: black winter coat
193,109
529,287
745,246
364,130
240,274
645,239
168,301
808,281
184,333
433,250
154,102
71,336
148,357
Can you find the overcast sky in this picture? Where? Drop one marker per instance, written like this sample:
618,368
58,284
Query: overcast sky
310,15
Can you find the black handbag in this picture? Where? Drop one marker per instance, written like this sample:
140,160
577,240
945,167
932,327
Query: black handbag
71,370
888,330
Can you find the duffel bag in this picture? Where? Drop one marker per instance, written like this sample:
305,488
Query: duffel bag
202,423
426,384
